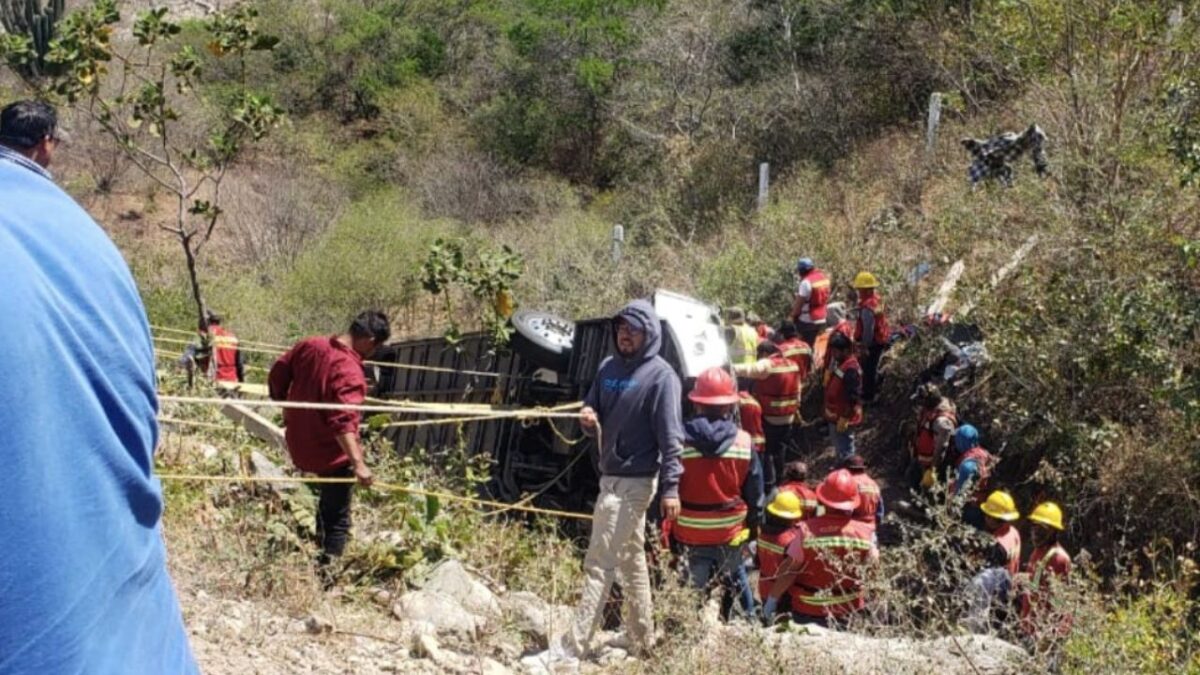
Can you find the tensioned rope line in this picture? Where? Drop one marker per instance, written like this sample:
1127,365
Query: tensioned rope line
388,487
192,333
428,409
275,351
173,354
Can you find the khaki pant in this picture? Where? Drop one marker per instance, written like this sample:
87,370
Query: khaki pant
617,545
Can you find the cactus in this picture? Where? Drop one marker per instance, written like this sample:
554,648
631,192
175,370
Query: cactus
35,20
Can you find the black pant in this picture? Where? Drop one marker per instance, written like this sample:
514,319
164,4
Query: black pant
809,331
779,437
333,513
871,372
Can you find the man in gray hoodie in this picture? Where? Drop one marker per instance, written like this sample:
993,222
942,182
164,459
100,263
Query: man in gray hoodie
634,410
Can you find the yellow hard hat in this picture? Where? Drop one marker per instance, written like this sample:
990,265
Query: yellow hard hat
786,505
866,280
1048,514
1000,505
927,478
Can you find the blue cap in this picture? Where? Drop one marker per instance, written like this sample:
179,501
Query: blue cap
804,264
966,437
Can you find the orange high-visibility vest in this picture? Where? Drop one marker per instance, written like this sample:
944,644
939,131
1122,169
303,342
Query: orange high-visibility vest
710,494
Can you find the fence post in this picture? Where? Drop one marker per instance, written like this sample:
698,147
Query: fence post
764,184
618,239
931,125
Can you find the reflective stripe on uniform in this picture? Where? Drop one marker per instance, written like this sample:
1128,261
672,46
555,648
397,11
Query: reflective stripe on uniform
771,546
828,600
834,542
711,523
733,452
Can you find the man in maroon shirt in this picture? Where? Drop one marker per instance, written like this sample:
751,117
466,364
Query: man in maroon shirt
325,442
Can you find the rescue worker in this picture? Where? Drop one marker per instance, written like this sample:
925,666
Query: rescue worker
778,530
825,559
794,349
973,468
764,330
721,489
812,297
871,331
999,512
936,421
870,504
795,480
227,364
838,323
843,395
743,339
751,417
1048,563
777,388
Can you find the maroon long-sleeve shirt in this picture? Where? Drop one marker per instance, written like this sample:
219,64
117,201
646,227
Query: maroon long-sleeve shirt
318,370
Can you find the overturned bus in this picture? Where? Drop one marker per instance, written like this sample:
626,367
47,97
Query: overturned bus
551,361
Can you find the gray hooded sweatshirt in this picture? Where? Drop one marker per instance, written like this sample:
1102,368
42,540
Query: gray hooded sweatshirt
638,400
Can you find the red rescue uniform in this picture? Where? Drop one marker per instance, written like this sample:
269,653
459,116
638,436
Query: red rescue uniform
710,492
807,496
925,446
225,353
798,352
779,392
870,498
838,403
830,552
772,548
1045,563
751,418
1010,540
874,304
984,460
818,301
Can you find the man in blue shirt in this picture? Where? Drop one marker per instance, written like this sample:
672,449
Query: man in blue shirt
84,585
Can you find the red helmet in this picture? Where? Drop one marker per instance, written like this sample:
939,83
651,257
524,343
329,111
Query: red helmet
715,386
839,491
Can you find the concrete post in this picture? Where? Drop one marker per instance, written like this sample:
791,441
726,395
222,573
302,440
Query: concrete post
764,184
931,125
618,240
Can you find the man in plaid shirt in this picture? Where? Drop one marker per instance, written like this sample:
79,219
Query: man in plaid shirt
991,157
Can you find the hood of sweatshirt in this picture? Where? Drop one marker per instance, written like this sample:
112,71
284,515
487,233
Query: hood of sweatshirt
710,437
639,313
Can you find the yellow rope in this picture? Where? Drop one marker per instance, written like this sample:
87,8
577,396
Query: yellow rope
193,423
387,487
173,354
427,409
192,333
275,351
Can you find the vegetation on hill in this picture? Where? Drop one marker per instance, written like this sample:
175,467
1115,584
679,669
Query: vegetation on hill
540,124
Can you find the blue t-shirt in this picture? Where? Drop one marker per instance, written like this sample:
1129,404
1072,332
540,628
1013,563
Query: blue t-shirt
83,580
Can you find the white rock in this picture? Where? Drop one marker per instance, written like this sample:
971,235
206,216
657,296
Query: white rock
536,618
439,610
452,579
209,451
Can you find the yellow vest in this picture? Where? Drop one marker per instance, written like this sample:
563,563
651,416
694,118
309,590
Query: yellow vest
744,349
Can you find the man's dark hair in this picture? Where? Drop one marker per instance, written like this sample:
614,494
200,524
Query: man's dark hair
371,324
787,330
24,124
795,471
766,348
840,341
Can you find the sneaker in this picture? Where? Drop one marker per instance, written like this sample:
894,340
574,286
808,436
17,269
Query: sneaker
557,659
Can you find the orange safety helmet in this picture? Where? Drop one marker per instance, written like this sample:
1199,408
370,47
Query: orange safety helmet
715,386
839,491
